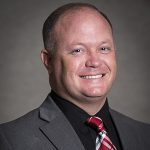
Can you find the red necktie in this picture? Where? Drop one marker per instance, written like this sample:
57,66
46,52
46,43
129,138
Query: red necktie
102,141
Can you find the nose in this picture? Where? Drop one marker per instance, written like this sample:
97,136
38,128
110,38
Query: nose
93,60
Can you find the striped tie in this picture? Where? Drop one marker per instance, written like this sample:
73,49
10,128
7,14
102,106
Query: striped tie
102,141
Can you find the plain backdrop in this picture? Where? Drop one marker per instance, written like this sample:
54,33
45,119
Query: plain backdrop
24,80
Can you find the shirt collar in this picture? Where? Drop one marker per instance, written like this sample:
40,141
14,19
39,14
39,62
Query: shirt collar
76,114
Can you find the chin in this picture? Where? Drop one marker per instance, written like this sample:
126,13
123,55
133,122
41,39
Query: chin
95,94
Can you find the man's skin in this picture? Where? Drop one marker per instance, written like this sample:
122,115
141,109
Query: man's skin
83,66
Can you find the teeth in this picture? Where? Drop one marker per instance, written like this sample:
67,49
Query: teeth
92,76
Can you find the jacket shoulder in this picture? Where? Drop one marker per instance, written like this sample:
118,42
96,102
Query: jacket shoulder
24,120
117,116
19,130
131,131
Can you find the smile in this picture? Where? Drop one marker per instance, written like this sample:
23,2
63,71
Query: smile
92,76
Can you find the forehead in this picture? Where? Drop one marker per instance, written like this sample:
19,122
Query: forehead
85,25
78,17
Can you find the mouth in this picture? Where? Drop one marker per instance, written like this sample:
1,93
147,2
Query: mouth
92,76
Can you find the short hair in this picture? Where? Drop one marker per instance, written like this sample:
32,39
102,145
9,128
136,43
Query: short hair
49,38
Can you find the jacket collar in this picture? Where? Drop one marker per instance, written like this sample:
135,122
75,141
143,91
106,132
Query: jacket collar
57,129
125,130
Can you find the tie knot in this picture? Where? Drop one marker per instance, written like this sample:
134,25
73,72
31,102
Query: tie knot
96,123
103,142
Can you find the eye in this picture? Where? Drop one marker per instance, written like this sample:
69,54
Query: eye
105,49
76,51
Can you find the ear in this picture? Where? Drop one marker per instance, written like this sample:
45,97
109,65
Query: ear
45,57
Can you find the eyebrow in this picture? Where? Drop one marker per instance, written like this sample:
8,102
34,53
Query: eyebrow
100,43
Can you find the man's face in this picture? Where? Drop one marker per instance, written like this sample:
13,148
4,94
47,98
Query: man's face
84,65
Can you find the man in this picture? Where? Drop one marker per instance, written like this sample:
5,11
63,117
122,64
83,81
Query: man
80,58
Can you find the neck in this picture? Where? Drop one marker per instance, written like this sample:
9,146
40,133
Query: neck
91,107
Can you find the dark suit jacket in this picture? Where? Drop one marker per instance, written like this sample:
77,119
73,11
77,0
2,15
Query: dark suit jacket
46,128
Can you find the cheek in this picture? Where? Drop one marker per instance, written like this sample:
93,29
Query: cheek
71,65
111,62
114,63
113,67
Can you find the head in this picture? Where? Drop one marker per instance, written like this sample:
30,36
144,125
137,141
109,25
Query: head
79,54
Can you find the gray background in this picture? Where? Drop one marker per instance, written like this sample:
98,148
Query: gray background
24,80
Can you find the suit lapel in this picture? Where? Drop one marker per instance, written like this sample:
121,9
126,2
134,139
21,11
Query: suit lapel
128,140
57,129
